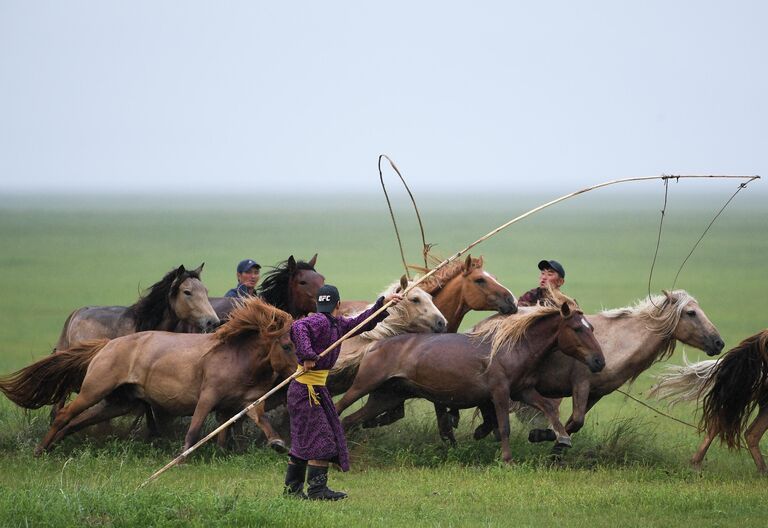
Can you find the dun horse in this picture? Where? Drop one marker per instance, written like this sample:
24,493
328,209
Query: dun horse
176,303
632,339
291,286
730,389
460,371
177,374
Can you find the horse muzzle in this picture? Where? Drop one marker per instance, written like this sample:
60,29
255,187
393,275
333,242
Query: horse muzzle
595,363
440,326
508,305
208,324
715,346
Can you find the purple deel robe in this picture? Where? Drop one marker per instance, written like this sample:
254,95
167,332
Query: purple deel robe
316,432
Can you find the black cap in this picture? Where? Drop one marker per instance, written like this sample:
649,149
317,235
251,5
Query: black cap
327,298
247,264
553,265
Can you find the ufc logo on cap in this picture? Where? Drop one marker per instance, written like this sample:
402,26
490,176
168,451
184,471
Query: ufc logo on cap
323,298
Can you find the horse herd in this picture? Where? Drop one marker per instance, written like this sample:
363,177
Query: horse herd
177,352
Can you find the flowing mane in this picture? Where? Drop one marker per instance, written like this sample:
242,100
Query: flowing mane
436,282
661,314
505,332
275,288
254,316
149,310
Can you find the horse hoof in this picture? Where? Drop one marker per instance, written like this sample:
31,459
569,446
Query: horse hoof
278,445
38,451
541,435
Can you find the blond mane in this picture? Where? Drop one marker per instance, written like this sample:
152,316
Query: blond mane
254,316
505,332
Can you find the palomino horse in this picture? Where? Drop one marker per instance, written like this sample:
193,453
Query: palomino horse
415,314
632,338
731,388
179,374
177,303
291,286
461,371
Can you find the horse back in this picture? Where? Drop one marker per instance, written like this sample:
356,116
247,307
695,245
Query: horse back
95,322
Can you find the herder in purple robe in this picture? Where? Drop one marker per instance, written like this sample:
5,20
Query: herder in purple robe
317,436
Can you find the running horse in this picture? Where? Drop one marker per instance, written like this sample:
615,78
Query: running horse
730,389
632,338
178,374
481,370
176,303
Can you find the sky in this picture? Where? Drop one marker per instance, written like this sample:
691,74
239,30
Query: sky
250,97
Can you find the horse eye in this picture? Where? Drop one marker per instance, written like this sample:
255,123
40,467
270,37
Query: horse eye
578,329
479,281
415,300
691,313
187,292
303,283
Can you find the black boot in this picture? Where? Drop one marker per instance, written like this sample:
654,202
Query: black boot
294,480
317,485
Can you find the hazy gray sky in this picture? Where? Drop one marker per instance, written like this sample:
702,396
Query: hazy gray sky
250,96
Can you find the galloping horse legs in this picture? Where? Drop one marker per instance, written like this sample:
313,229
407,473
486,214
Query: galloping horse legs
489,424
101,412
378,402
550,408
698,456
206,403
500,397
753,435
445,422
259,418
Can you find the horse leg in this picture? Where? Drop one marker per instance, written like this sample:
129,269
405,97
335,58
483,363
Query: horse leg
489,424
387,417
698,456
753,435
378,402
500,397
363,384
101,412
259,418
206,403
551,409
579,411
445,424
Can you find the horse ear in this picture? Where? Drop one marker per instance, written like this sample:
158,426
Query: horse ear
480,262
467,267
198,270
313,261
291,264
403,284
565,310
670,298
181,269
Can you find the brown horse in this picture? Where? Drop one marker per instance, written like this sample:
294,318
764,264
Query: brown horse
458,370
731,388
179,374
176,303
633,338
291,286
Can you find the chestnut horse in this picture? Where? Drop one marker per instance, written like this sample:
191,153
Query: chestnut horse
731,389
633,338
177,303
458,370
178,374
291,286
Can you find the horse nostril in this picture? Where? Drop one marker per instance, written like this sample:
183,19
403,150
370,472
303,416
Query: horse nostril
719,344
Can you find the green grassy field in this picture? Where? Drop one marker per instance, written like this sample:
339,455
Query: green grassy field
628,466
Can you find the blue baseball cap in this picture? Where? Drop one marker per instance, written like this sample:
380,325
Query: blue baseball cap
247,264
554,266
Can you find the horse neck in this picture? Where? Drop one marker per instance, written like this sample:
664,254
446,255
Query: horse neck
451,304
169,322
538,342
628,345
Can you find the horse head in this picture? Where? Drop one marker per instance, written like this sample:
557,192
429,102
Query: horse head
188,299
576,338
416,313
693,327
303,284
481,291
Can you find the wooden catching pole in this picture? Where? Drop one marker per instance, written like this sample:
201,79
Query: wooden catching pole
458,254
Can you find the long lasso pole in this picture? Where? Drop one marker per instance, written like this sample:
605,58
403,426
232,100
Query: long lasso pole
450,259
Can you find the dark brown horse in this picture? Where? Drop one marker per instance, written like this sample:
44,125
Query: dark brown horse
176,303
484,370
290,285
178,374
730,389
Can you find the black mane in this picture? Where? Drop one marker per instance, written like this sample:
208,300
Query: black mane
274,289
150,309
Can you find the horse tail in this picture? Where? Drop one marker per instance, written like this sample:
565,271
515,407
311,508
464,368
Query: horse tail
52,378
683,383
737,385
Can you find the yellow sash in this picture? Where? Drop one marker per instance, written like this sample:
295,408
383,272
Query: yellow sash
310,379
